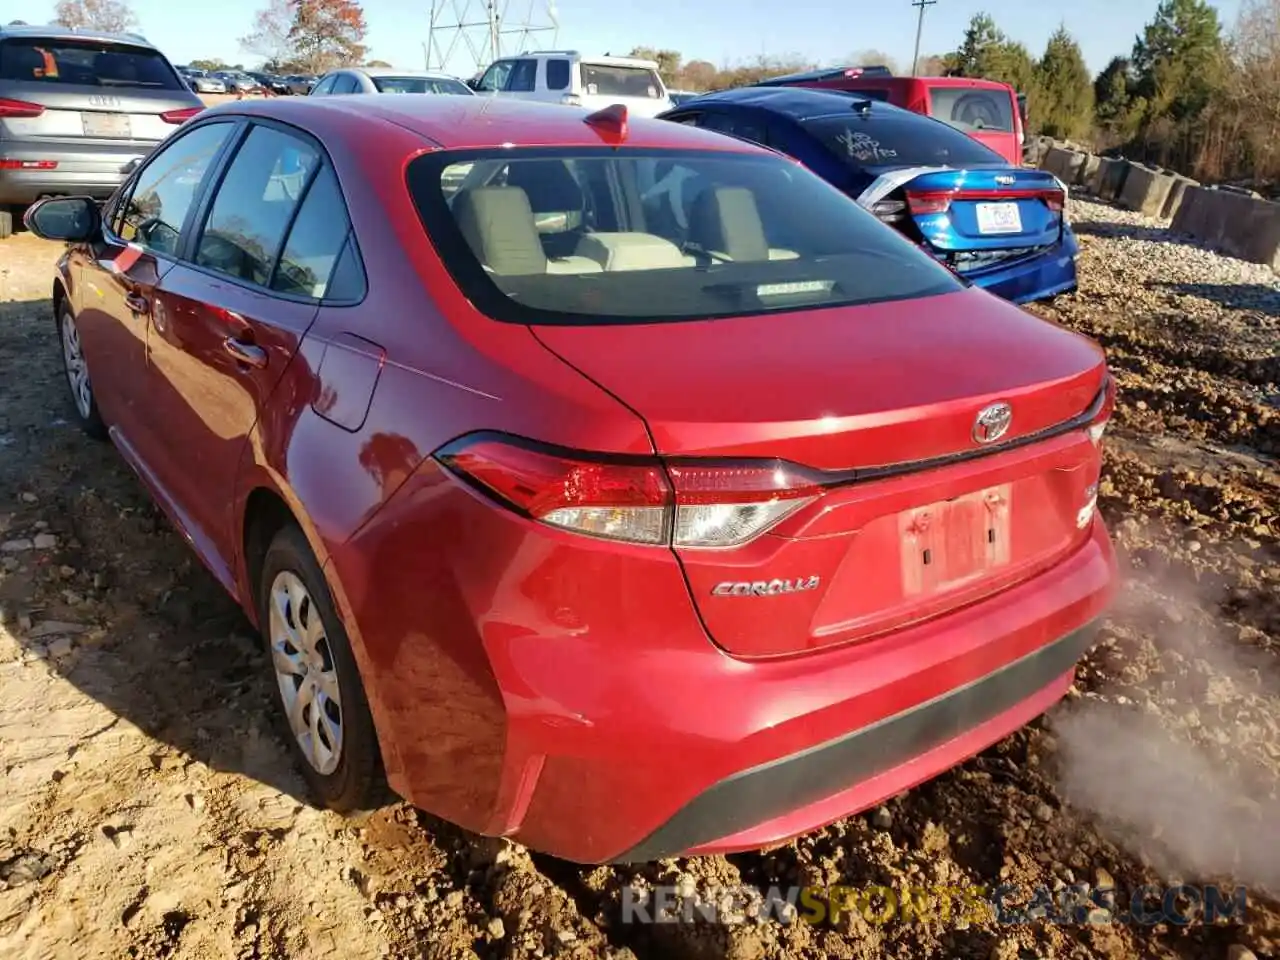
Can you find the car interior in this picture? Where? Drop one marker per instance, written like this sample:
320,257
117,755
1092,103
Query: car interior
535,217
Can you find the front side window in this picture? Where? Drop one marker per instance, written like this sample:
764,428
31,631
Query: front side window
166,187
898,141
495,78
437,85
971,109
324,86
523,76
254,205
593,236
85,63
612,80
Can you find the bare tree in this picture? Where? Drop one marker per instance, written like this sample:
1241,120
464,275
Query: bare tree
269,37
1256,88
110,16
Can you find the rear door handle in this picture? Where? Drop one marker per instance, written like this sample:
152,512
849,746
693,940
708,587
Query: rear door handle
250,354
137,303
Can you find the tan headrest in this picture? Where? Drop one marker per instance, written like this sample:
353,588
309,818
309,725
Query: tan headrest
498,224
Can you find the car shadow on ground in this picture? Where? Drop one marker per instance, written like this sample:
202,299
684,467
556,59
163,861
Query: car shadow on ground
117,604
1237,296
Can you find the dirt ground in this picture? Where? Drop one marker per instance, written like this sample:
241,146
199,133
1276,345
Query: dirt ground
147,811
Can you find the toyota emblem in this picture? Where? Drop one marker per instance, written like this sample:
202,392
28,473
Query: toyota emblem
992,423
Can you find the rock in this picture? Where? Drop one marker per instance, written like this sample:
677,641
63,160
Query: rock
59,648
1238,951
1044,813
66,572
24,621
566,936
45,541
881,818
454,899
16,546
496,928
30,498
1103,880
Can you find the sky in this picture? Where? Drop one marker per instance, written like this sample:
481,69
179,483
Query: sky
722,31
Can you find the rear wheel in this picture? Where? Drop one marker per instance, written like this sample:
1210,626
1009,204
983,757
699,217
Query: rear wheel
323,706
77,371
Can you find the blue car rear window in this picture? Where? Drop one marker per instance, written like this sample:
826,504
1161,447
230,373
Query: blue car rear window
899,141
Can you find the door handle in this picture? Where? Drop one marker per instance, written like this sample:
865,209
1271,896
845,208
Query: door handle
250,354
137,303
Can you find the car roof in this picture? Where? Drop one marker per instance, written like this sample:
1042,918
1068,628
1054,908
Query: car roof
456,122
800,103
50,31
393,72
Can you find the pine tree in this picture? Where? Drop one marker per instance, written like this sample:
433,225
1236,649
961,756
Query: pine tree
1065,88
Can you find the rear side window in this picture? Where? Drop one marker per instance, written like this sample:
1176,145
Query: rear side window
972,110
420,85
594,236
737,126
557,74
898,141
315,240
345,84
166,187
86,64
324,86
611,80
254,205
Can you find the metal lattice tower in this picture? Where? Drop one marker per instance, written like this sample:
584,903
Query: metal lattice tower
483,30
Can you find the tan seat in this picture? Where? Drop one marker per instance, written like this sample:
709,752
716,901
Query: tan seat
498,224
725,221
616,252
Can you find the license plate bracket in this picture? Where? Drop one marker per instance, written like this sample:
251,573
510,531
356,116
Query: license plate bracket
947,544
999,218
115,126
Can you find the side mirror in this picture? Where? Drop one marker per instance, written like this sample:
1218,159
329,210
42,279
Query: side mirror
71,219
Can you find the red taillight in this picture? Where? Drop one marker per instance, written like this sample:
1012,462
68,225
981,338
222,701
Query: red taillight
921,204
19,108
686,504
180,116
28,164
1098,425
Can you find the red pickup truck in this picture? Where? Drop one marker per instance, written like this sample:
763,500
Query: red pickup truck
992,113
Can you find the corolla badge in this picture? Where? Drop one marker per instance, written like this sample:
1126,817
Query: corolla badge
765,588
993,422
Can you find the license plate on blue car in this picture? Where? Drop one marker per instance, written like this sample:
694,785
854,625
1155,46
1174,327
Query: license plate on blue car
999,218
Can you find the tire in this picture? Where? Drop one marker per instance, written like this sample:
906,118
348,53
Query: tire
6,224
344,771
83,401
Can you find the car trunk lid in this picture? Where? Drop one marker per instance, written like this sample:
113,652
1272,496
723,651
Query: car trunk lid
879,404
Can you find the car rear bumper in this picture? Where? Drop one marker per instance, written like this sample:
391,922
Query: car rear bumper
94,174
527,684
1037,278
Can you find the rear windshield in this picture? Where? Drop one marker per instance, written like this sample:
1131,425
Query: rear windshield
593,236
899,141
610,80
972,110
87,63
419,85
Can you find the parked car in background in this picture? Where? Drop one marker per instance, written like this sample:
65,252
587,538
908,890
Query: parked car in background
1000,226
619,525
269,81
201,82
992,113
299,84
78,109
567,77
388,80
238,82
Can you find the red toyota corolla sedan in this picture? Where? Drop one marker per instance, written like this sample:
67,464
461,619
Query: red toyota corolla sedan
621,488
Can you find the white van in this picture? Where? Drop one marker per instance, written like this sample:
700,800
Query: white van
565,76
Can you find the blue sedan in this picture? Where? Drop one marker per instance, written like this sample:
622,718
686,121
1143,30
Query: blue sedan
1001,227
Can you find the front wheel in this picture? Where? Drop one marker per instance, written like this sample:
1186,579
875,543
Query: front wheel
77,371
322,700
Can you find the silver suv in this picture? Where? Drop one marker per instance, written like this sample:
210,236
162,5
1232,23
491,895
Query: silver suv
78,109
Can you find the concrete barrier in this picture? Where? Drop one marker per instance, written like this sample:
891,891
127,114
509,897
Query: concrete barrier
1113,178
1145,191
1176,193
1065,164
1238,225
1088,170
